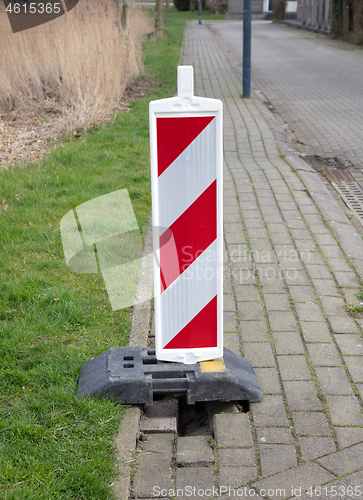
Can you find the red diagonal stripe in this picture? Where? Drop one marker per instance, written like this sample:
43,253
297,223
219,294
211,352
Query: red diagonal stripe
175,134
201,331
193,232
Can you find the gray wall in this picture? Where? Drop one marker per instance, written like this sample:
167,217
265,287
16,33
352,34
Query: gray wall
236,6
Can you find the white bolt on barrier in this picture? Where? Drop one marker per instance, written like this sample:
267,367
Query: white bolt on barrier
187,196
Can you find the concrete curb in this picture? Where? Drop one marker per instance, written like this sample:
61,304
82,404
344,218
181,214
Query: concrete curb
128,434
125,445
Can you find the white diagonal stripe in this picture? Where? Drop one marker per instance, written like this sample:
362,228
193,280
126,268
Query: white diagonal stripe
188,176
189,293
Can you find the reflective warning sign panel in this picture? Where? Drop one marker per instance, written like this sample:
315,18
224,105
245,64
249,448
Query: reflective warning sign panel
186,162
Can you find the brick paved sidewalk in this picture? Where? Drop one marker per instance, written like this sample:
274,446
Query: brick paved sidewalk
289,261
313,82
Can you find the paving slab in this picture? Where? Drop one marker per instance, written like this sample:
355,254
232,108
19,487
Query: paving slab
200,478
154,465
344,462
276,457
288,343
304,476
268,380
194,451
235,477
274,435
269,412
313,447
293,368
348,435
232,430
345,411
333,380
348,487
314,331
236,457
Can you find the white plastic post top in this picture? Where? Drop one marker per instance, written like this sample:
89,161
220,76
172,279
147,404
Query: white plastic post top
185,81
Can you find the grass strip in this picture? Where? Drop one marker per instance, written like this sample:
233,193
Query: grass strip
53,446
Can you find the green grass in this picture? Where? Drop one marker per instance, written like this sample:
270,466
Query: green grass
53,446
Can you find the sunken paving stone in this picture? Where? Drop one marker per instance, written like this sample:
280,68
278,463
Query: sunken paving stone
194,450
158,424
355,367
342,325
234,477
311,423
293,368
348,435
232,430
268,380
313,447
323,355
274,435
269,412
350,344
344,410
315,331
154,465
259,353
200,478
276,457
303,477
301,395
254,331
216,407
288,343
236,457
344,462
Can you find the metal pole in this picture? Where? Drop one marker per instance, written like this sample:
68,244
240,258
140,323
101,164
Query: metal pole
247,49
199,14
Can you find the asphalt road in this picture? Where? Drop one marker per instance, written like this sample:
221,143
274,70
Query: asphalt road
315,84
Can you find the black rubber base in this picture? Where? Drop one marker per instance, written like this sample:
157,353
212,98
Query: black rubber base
132,375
